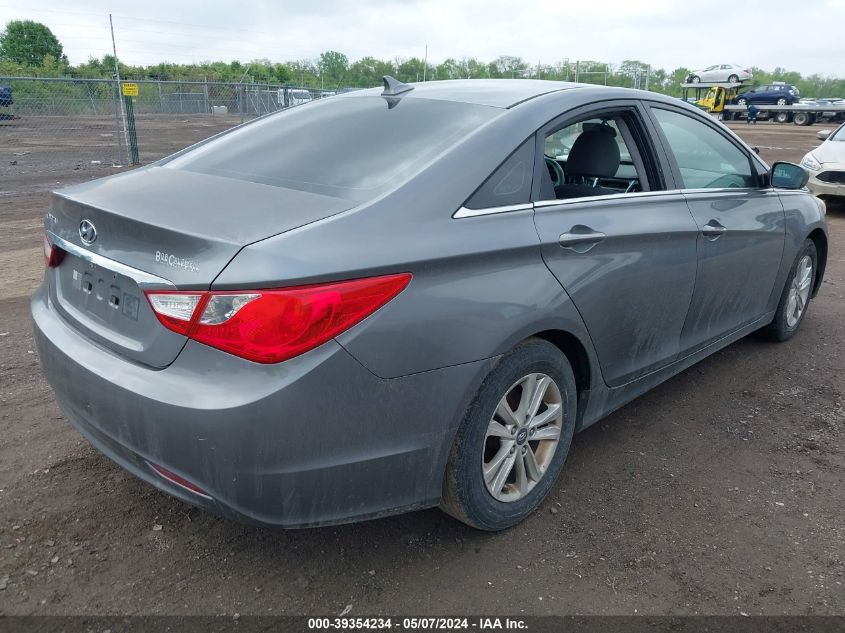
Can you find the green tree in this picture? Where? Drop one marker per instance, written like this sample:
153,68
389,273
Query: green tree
510,67
27,42
333,67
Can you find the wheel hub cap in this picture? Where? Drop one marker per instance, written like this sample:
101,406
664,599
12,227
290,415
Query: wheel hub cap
522,437
799,291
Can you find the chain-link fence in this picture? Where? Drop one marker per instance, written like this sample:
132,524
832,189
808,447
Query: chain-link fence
52,125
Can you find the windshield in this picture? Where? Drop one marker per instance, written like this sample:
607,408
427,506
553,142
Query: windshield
839,134
352,148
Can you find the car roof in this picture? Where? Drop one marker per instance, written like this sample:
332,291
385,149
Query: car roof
499,93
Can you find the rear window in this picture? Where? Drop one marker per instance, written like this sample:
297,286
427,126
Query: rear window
353,148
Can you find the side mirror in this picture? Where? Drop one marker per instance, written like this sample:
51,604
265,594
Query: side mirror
823,134
788,176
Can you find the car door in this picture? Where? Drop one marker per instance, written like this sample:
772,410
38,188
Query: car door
757,95
625,252
740,220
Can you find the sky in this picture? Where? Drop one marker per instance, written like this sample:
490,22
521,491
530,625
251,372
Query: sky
805,35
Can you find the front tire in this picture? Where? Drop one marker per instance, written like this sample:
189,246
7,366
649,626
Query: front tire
514,439
733,79
796,295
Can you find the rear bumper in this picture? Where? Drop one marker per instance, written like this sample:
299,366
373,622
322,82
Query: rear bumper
315,440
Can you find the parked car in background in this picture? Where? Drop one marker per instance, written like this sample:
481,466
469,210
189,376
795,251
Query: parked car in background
729,73
398,299
769,94
826,164
300,96
6,96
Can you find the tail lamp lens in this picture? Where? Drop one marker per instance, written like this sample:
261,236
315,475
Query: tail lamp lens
271,326
53,255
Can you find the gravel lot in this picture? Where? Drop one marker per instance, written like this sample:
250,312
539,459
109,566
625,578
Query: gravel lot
720,492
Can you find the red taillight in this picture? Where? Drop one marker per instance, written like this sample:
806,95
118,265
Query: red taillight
176,479
53,255
270,326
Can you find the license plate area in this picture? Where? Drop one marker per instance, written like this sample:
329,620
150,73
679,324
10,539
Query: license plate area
110,308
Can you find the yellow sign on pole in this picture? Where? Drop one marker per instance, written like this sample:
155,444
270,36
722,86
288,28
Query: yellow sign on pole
130,90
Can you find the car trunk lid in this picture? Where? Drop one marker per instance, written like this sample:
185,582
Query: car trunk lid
158,228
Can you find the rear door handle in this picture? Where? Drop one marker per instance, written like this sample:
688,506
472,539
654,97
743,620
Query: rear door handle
713,230
581,238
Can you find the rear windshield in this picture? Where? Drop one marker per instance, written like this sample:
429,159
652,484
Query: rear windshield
354,148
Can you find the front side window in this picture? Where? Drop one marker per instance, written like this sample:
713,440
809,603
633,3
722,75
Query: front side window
705,158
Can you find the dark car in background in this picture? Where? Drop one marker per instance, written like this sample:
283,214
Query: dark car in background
418,301
6,95
769,94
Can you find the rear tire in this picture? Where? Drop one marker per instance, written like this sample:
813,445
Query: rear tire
788,317
801,118
741,101
484,435
695,79
782,117
733,79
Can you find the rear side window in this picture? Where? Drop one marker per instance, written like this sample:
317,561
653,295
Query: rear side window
510,183
354,148
705,158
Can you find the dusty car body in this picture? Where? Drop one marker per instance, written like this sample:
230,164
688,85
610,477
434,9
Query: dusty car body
526,257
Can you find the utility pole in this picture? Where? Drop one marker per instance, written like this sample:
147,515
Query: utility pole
425,62
117,78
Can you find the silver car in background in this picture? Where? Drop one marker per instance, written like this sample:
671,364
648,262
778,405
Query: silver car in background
403,298
728,73
826,164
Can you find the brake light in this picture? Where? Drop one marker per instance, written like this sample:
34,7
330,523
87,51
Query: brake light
271,326
53,255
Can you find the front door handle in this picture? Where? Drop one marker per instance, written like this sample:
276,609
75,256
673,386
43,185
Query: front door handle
713,230
581,238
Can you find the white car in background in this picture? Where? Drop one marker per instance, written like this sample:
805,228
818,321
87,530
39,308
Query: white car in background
295,96
826,164
729,73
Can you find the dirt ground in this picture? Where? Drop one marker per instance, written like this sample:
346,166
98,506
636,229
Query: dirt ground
720,492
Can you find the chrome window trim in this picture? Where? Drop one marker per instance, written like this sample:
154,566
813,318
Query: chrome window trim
613,196
140,277
727,190
464,212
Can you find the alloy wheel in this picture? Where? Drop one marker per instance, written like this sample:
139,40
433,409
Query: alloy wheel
799,291
522,437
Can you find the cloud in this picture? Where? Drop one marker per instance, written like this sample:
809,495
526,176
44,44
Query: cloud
665,33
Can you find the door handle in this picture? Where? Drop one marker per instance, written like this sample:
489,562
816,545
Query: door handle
581,238
713,230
